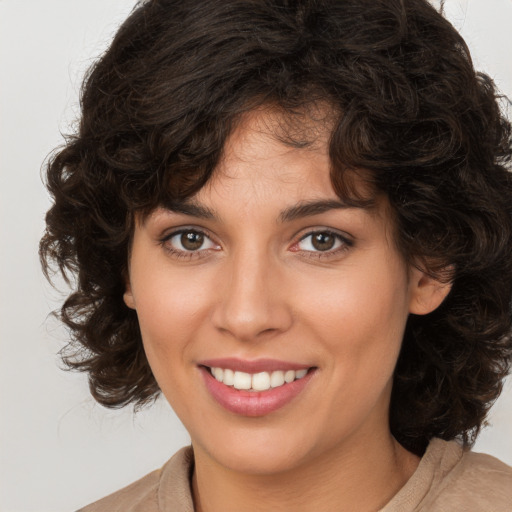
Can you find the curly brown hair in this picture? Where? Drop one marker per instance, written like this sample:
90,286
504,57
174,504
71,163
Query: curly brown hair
157,107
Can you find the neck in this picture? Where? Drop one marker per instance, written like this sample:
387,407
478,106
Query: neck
356,476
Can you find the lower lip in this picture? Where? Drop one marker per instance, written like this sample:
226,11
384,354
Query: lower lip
253,403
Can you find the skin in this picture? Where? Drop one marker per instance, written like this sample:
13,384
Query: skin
258,288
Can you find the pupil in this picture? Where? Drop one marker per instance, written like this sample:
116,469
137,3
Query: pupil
323,241
192,241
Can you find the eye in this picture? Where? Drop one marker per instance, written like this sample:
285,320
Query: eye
322,242
188,241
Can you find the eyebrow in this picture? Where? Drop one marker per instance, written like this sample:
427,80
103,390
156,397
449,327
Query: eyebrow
191,208
310,208
301,210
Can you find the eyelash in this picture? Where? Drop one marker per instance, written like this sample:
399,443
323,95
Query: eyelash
184,254
344,244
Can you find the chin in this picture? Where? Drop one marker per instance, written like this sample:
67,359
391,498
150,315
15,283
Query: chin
260,453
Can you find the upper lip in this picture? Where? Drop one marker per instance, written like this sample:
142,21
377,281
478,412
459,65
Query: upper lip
254,366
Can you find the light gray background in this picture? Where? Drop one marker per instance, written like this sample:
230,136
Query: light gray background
59,450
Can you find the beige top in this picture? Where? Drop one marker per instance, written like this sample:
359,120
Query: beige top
447,479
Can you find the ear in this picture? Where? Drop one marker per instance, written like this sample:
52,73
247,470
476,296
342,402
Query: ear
427,292
128,295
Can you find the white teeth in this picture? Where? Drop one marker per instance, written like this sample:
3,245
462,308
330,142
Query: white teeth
261,381
276,379
229,377
242,380
289,376
218,373
300,373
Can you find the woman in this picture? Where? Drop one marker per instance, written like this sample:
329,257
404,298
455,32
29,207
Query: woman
294,220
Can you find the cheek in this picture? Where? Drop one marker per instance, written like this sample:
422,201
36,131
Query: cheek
356,301
170,302
360,317
171,309
166,325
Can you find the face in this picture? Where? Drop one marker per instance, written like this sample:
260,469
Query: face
267,282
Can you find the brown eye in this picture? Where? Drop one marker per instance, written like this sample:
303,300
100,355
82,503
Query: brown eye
189,242
192,240
323,241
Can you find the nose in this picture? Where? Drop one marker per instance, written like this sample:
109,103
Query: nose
253,303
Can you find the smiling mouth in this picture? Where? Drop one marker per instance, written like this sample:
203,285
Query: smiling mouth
261,381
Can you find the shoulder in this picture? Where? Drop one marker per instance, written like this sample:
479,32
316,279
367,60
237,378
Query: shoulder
484,481
472,481
140,495
450,479
166,488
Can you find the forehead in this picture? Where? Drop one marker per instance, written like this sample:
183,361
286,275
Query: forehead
272,168
261,150
272,149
